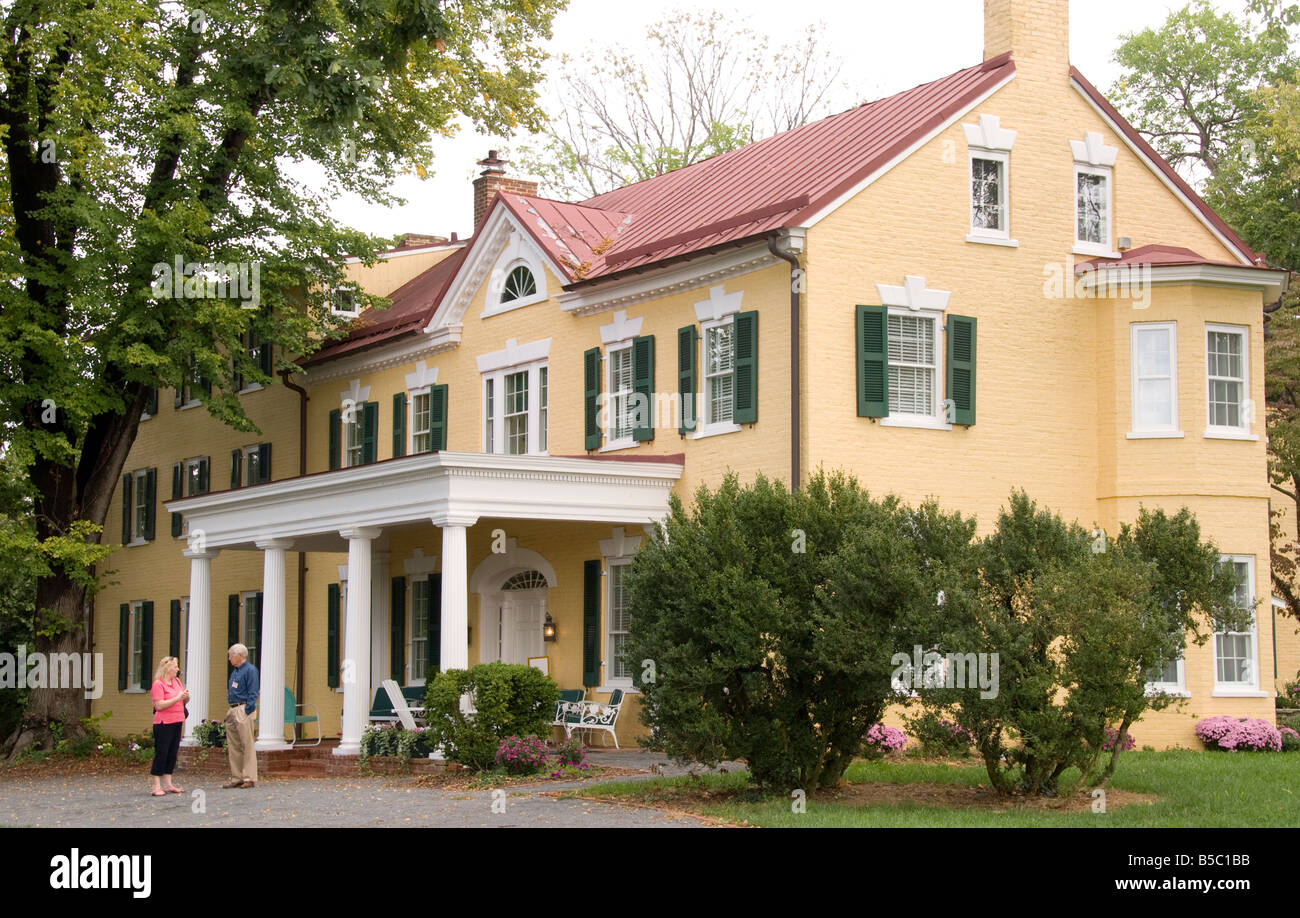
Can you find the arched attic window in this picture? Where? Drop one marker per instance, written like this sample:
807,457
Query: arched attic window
519,285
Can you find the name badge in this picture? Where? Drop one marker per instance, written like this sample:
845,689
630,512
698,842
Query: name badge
234,685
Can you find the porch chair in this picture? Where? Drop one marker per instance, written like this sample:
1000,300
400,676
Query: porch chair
405,713
568,710
292,718
596,715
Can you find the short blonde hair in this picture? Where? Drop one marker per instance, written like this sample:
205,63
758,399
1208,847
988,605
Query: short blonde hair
162,666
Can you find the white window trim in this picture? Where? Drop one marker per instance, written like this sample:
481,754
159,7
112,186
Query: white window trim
624,442
1095,248
611,682
138,686
1176,689
1223,432
250,386
710,428
517,252
411,678
138,479
344,313
922,421
1240,689
247,451
358,419
498,376
982,234
1172,431
410,417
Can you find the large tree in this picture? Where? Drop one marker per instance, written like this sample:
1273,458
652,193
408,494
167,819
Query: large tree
707,86
135,134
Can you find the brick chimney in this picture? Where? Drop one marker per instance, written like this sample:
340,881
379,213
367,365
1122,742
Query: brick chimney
1036,32
493,179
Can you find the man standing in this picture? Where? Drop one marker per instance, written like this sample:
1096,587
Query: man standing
242,694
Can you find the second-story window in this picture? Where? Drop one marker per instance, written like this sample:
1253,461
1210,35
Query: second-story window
719,362
1226,379
1092,208
514,411
988,194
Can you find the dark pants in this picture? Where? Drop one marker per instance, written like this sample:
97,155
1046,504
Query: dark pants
166,743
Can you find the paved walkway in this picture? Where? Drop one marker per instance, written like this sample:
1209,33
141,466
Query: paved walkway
123,800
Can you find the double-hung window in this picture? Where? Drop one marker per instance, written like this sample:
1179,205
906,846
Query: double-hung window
421,432
138,499
1092,209
617,629
420,597
135,675
135,646
719,378
1154,348
1227,376
1235,670
514,410
250,628
620,411
989,201
914,365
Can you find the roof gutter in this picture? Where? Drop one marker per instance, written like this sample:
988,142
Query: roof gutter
788,245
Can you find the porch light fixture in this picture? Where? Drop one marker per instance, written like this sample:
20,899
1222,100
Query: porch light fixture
548,628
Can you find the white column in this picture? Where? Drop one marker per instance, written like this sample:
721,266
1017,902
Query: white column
271,704
455,591
381,597
356,667
198,640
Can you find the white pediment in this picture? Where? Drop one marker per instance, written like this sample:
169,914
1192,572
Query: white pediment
620,545
719,304
422,378
514,354
914,294
989,134
1093,150
355,394
419,564
621,329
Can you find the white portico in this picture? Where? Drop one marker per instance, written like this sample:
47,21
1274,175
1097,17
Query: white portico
354,510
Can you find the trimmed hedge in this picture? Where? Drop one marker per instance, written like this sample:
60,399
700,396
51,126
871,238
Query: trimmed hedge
509,700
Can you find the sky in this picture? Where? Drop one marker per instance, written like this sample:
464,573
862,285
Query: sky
887,47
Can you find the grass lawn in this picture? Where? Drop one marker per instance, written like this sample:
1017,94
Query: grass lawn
1174,788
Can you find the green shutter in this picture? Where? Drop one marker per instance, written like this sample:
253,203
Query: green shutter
332,635
174,630
146,643
643,385
150,502
178,490
686,337
263,463
264,358
397,640
961,368
126,509
435,624
151,401
369,432
203,476
334,439
873,362
236,467
232,626
438,417
590,623
123,645
399,424
744,372
591,398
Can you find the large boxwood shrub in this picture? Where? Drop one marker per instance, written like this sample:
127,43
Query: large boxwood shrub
509,700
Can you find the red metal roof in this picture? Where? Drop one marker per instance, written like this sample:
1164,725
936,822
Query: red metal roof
1159,255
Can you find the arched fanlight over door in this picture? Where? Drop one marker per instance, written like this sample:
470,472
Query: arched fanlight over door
526,580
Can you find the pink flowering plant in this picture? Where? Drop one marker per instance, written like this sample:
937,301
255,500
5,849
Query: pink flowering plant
1290,739
1113,737
522,755
1239,733
880,740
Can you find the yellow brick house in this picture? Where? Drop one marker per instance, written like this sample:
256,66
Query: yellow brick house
984,283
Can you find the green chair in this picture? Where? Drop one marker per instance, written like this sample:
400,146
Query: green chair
568,710
292,718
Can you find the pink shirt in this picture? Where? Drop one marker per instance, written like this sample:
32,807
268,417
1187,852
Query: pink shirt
162,691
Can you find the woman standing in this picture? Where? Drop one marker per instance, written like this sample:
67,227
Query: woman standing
169,697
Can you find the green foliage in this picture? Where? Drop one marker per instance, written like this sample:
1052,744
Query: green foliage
211,734
938,737
1077,632
392,740
509,700
771,617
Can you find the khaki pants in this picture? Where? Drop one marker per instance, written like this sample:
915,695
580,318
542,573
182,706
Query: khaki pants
239,745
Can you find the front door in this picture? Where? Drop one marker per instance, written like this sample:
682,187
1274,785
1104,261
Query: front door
522,613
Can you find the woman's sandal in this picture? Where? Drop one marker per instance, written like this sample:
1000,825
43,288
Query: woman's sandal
174,790
158,793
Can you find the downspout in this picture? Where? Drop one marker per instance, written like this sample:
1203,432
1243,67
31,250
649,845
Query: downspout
302,555
793,244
